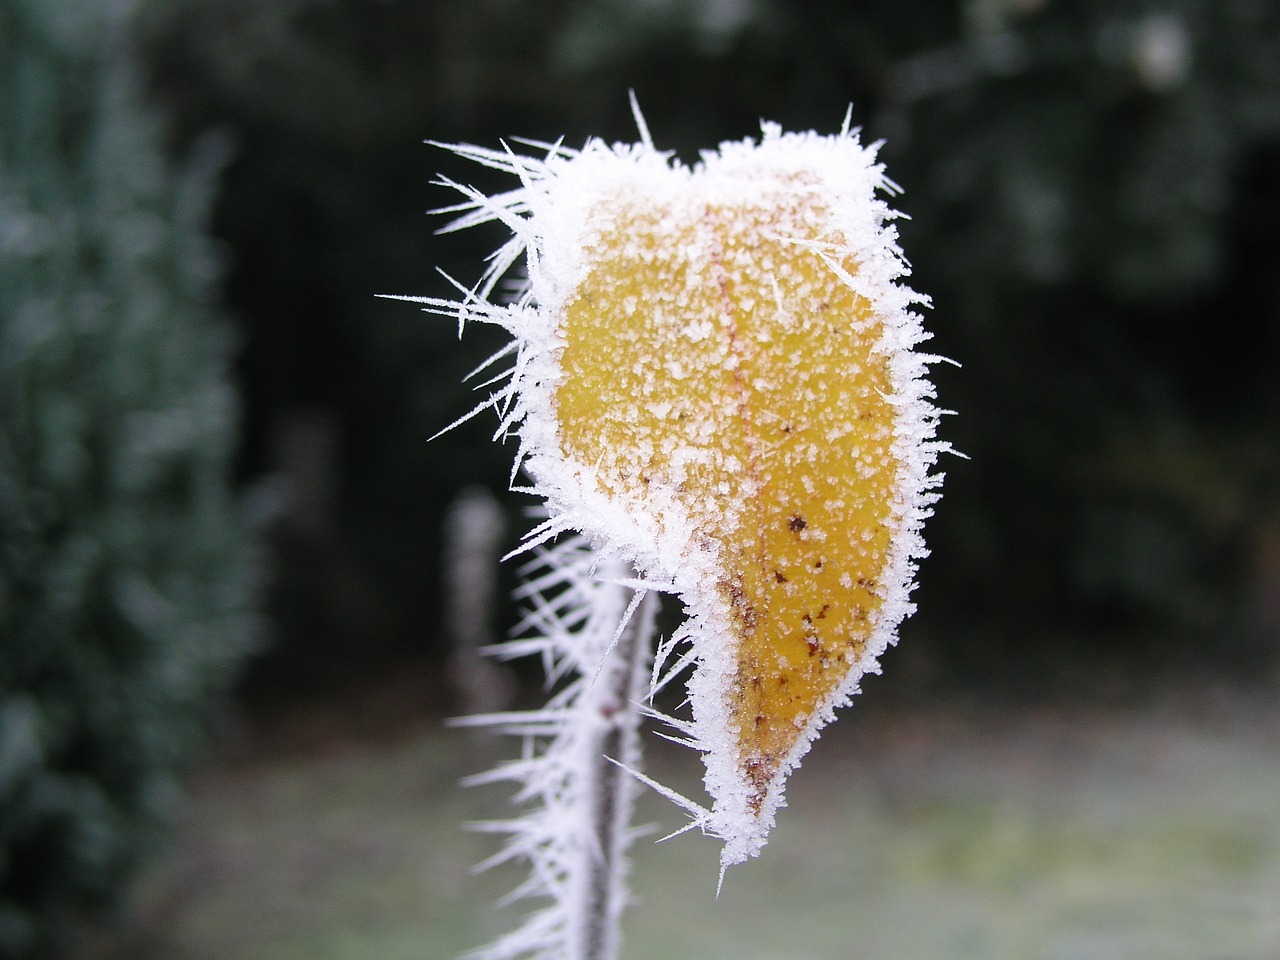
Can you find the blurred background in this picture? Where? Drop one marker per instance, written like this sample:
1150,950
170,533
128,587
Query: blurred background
221,520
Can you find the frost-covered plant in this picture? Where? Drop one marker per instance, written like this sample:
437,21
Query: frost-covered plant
716,393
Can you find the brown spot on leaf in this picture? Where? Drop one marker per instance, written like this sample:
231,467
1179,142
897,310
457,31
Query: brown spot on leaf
811,638
759,771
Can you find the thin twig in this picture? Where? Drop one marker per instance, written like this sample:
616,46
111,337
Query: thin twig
611,790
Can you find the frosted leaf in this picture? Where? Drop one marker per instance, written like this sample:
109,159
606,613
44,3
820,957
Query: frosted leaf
715,379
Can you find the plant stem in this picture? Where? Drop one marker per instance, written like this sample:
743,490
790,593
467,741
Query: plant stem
610,789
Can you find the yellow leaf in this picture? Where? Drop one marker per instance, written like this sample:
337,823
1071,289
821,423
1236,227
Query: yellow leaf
709,357
716,379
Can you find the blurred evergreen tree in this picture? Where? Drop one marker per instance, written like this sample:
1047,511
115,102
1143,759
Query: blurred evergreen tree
1089,186
125,566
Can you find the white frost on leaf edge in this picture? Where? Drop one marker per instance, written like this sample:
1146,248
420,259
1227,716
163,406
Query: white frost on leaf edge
562,196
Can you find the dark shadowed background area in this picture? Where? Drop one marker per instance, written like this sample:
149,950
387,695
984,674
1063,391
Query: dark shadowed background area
1094,199
1094,192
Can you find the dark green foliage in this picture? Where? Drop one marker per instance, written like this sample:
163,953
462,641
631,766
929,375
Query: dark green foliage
124,560
1086,223
1093,191
323,207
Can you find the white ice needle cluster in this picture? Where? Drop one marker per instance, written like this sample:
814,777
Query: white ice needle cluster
591,628
713,380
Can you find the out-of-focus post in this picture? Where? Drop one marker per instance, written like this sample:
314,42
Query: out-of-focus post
474,528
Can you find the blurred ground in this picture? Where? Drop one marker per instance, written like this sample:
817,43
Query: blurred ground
950,831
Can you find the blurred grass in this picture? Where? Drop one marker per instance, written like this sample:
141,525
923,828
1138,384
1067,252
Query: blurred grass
950,832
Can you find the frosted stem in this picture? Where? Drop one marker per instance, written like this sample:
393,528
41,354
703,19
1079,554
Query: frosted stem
609,790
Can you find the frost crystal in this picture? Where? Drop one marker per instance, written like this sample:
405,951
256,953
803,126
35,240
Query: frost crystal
715,379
